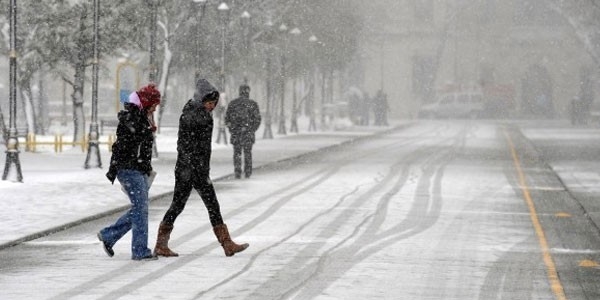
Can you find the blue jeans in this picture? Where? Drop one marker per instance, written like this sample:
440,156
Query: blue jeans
136,218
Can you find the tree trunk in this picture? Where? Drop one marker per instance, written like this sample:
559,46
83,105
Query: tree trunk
28,106
42,105
77,98
164,81
164,76
79,80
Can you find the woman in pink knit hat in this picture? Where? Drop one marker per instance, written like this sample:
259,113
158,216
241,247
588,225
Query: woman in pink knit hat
130,163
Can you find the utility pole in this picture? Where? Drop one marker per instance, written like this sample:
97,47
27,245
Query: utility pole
153,69
268,133
224,15
12,147
94,135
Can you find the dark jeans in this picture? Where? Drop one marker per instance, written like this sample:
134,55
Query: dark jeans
238,149
185,180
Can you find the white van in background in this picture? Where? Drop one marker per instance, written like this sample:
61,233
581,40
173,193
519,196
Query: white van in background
455,105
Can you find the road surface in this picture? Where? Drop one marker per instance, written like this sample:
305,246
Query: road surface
435,210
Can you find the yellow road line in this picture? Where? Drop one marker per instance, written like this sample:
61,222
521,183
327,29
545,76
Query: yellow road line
555,283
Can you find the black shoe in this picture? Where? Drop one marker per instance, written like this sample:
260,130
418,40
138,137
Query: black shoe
145,258
248,175
238,176
109,251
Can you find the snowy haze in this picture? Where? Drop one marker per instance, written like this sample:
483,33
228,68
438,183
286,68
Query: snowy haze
530,58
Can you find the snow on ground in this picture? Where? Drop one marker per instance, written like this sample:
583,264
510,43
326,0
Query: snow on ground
57,190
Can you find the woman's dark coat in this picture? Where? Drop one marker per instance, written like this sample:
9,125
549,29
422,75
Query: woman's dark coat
195,133
133,148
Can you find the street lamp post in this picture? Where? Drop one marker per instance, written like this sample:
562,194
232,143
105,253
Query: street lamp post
202,4
381,63
268,134
152,60
312,125
245,20
323,83
224,14
198,30
294,120
12,147
94,134
282,30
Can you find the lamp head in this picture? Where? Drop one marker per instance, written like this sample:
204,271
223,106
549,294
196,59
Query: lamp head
283,27
223,7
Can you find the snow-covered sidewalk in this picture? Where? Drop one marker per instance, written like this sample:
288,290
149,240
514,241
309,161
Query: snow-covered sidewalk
58,192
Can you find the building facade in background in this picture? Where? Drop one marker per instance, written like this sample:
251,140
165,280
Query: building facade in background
522,55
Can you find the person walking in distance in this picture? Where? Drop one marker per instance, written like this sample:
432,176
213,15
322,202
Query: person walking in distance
192,170
243,119
130,163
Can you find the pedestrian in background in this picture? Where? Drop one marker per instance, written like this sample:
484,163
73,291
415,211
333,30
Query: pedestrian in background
130,164
380,108
192,170
243,119
366,109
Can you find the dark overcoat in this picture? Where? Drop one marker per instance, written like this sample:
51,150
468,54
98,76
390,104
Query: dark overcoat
243,119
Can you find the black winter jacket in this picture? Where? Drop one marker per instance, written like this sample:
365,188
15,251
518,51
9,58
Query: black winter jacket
195,133
133,148
243,119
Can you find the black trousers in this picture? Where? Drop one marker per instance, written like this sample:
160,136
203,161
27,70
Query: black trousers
185,180
246,149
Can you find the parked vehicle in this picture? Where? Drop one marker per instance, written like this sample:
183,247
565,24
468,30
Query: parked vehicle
455,105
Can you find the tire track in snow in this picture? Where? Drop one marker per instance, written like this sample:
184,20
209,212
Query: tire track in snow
423,214
159,271
282,279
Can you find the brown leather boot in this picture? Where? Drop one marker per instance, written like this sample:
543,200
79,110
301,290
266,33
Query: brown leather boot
229,246
162,240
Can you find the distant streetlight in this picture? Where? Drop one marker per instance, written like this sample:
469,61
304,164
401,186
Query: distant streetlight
152,60
12,146
294,120
245,20
94,134
245,15
153,28
282,30
223,10
202,7
323,84
312,125
268,134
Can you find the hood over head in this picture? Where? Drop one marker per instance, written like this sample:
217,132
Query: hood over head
134,99
205,91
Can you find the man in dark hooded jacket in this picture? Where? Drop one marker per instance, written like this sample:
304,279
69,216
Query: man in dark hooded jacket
192,170
242,118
